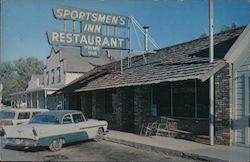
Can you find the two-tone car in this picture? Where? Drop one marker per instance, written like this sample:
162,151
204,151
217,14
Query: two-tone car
55,128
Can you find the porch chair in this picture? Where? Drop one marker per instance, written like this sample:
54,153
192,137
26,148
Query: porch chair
163,126
148,129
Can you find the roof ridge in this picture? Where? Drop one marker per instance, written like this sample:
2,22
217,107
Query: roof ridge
198,39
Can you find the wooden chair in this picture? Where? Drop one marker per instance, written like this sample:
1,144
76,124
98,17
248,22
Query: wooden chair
164,126
148,129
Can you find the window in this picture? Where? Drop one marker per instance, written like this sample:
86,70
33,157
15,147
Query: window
24,115
184,99
162,99
203,99
34,113
181,99
7,115
67,119
78,118
47,77
52,76
108,101
47,119
58,74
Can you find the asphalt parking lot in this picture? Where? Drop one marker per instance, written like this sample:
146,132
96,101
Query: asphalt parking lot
85,151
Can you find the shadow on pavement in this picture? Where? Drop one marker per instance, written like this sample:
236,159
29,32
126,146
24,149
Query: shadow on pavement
42,148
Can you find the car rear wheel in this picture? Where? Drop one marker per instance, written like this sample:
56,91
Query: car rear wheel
56,145
99,135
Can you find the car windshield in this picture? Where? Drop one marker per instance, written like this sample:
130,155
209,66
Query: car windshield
7,115
45,119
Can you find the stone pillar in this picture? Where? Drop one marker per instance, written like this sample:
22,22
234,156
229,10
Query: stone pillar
127,111
142,98
222,107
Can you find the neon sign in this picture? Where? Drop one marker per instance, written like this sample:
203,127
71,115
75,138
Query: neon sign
91,38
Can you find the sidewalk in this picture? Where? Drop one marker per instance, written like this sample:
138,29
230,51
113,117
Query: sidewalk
180,147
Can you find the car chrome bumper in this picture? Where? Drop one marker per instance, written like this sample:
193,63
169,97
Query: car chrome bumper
20,142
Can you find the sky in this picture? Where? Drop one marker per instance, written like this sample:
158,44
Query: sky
24,23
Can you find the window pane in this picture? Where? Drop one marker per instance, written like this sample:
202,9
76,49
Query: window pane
108,102
7,115
52,76
47,77
184,98
67,119
24,115
203,99
77,118
162,99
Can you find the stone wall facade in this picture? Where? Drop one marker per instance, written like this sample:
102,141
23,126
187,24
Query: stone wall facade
142,99
222,90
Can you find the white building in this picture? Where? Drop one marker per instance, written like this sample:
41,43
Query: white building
63,65
239,59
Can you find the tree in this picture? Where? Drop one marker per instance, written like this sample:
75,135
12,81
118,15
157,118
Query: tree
8,79
203,35
25,68
15,76
227,27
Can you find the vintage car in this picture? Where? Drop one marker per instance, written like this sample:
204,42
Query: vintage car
13,116
55,128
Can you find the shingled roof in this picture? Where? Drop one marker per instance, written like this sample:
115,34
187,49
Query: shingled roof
184,61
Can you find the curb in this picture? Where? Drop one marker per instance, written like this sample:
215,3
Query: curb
163,150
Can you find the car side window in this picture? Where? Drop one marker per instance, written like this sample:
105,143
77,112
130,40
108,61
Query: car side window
23,115
67,119
78,118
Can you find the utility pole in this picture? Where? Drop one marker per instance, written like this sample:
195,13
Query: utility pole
211,81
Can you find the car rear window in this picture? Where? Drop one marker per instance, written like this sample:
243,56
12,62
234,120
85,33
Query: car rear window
7,115
34,113
45,119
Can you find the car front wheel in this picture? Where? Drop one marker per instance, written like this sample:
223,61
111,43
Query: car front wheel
56,145
99,135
